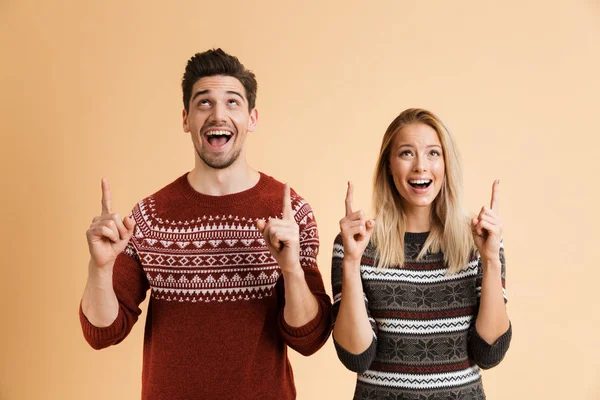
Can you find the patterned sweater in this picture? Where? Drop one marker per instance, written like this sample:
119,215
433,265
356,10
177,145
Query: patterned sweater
425,345
215,327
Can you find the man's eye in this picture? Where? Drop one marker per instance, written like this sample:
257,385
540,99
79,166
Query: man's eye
233,102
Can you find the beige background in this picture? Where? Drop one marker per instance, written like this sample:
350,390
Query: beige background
92,88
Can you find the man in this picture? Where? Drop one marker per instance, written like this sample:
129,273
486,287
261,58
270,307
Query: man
228,253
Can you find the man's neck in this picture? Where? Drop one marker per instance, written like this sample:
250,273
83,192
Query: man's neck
220,182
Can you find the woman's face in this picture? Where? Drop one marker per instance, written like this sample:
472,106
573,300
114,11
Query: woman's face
417,165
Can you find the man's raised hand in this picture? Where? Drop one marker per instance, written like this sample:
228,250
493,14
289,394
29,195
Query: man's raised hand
108,234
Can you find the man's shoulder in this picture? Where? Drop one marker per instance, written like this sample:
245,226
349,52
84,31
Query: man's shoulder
275,188
274,196
303,212
166,196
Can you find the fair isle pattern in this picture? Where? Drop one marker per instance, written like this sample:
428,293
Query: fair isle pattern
212,257
421,317
413,381
474,391
416,327
438,275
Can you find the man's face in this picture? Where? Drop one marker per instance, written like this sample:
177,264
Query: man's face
218,120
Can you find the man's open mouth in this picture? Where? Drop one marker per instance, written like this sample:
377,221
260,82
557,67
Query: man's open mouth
218,138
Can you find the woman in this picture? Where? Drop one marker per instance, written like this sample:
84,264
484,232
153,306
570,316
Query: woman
419,301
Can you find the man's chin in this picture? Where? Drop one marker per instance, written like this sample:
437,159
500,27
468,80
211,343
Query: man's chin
218,162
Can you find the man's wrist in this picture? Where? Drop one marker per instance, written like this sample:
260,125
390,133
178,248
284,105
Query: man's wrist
293,272
100,274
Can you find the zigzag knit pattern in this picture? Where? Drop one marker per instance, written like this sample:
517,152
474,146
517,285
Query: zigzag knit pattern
424,345
212,257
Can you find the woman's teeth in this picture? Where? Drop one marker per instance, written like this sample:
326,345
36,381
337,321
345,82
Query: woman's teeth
420,183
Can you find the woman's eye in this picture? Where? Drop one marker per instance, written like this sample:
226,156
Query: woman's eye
405,153
434,153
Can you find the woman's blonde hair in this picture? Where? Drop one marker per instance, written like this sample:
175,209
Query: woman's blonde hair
450,224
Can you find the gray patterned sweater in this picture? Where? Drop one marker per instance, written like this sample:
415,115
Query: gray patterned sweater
425,345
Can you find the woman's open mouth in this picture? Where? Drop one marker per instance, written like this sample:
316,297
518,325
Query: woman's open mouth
420,183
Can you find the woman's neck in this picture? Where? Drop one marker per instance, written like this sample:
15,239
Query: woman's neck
418,219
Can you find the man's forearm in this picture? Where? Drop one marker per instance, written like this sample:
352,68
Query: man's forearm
301,306
99,303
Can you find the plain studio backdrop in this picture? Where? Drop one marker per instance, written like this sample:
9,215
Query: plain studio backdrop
92,89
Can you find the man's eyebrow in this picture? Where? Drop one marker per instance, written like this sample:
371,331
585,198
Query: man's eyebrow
201,92
234,92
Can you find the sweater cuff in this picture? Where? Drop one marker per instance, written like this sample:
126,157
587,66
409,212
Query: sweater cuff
489,355
356,362
100,337
306,329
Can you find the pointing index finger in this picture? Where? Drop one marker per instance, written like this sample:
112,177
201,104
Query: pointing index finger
349,198
106,197
287,203
495,202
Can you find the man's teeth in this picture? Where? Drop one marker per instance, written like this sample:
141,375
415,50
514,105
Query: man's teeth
419,181
218,133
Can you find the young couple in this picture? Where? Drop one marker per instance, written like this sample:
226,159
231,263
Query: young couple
229,256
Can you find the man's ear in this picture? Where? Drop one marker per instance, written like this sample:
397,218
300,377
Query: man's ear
186,125
253,120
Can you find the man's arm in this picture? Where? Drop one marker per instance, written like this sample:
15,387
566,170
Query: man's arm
104,320
306,318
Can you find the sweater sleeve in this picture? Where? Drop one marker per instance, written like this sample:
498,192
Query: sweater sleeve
482,353
130,286
309,338
354,362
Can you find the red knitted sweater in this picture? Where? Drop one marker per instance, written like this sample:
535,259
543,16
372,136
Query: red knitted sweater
215,327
